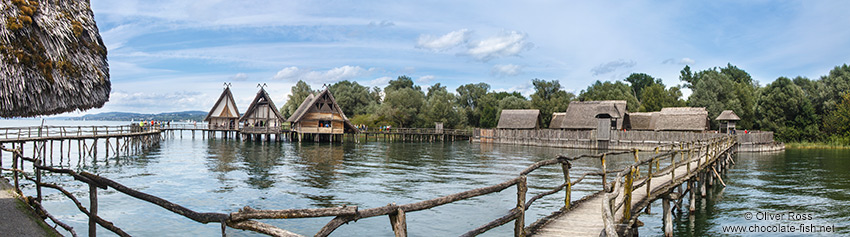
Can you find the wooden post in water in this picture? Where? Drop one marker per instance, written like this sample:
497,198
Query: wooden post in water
692,206
627,208
668,214
604,175
566,167
519,224
92,210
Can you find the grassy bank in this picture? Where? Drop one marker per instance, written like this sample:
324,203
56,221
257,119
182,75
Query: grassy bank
815,145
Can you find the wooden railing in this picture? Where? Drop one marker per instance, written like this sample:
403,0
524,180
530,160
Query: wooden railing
34,132
454,132
702,152
245,217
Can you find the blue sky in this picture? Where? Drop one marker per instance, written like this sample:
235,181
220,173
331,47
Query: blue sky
175,55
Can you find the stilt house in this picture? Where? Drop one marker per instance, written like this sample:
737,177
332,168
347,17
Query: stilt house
320,114
691,119
727,120
224,114
262,113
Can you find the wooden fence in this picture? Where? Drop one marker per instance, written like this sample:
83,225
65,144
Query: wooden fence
245,217
64,132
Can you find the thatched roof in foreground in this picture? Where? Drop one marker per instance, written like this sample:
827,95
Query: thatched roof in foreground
519,119
557,120
682,119
728,115
583,114
52,59
642,121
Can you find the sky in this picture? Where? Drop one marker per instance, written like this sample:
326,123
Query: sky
167,56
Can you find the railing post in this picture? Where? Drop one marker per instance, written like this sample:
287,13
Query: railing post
37,179
673,167
649,179
519,224
627,208
637,161
566,167
92,210
15,170
604,175
399,223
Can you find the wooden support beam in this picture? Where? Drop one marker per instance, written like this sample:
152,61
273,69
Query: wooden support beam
399,223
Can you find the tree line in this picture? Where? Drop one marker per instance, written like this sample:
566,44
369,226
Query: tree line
798,109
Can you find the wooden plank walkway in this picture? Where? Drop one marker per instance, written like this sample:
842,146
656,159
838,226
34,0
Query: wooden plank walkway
585,219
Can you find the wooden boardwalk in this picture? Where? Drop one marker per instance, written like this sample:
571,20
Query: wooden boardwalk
587,218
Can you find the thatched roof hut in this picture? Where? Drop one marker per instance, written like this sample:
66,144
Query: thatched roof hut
557,120
728,115
519,119
641,121
682,119
52,59
320,114
584,114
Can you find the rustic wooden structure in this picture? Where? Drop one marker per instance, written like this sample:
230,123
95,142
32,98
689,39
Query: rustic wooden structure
320,118
630,192
692,119
727,120
589,115
519,119
415,134
261,119
641,121
224,115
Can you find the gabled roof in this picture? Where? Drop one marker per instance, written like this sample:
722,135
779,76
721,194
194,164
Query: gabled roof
682,119
226,100
728,115
643,121
312,100
519,118
557,120
582,114
262,96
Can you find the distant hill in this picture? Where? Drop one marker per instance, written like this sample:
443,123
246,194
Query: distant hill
124,116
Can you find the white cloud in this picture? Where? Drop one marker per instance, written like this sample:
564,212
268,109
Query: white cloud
380,82
612,66
505,70
441,43
505,45
239,77
682,61
425,79
181,100
332,75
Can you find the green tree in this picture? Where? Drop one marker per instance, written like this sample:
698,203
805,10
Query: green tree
728,88
487,111
513,102
784,108
352,97
549,98
834,84
299,92
610,91
688,77
440,107
400,83
837,122
401,107
468,97
639,81
655,97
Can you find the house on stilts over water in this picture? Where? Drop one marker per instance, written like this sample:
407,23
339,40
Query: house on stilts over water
224,114
261,118
319,118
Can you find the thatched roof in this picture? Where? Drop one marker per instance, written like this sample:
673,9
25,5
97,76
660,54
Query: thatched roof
682,119
557,120
52,59
642,121
225,107
728,115
519,119
262,98
312,99
583,114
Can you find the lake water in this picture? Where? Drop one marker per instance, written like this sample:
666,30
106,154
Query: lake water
213,175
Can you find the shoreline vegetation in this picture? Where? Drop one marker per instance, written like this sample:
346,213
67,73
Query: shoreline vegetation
815,145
